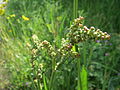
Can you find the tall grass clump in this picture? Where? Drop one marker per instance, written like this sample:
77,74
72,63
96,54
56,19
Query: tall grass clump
66,54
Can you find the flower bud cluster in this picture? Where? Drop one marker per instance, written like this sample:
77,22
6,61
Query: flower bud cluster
3,4
38,46
78,32
35,39
66,49
46,45
35,47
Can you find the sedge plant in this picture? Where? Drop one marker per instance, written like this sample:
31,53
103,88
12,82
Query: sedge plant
77,33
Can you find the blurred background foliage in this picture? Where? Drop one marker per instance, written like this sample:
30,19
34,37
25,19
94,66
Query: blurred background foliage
49,20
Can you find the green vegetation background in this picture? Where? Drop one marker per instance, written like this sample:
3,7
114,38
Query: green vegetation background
49,19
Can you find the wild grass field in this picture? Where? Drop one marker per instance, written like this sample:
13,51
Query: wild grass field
59,44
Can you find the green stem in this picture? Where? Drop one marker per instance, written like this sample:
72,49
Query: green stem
51,80
105,73
75,8
79,75
79,71
11,25
53,73
84,54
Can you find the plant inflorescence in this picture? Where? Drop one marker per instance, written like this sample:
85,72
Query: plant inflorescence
77,33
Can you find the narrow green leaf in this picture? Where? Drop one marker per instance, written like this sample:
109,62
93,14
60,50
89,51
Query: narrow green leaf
45,84
84,79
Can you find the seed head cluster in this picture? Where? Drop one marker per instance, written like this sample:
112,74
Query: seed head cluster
64,50
79,33
42,45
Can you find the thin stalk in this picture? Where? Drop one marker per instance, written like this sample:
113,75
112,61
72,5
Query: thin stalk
84,54
13,31
79,75
79,71
52,75
105,74
75,8
51,80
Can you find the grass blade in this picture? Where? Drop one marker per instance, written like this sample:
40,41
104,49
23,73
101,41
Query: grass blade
45,83
84,79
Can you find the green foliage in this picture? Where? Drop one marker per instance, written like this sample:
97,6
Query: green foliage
56,68
84,78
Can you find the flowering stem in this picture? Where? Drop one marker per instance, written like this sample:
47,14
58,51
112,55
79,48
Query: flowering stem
79,71
75,8
84,53
53,73
51,80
